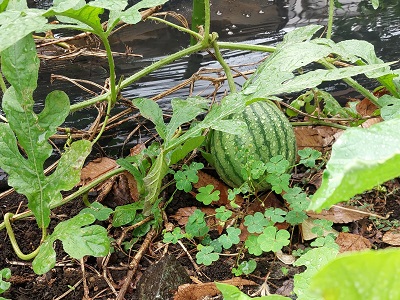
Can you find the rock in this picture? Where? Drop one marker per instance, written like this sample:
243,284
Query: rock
161,280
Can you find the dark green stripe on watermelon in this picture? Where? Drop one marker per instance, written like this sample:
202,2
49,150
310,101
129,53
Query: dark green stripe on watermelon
268,134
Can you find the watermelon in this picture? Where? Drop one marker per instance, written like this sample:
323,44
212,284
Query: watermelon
268,134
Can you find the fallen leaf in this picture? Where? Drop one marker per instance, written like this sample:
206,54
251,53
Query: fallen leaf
352,242
319,138
392,238
287,259
137,149
182,215
340,214
96,168
202,290
306,227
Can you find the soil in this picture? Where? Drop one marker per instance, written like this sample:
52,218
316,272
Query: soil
65,280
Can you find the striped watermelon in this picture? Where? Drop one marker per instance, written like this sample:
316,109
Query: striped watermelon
268,134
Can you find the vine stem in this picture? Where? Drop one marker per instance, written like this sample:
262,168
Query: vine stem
354,84
224,65
13,240
112,98
180,28
246,47
319,123
330,19
145,71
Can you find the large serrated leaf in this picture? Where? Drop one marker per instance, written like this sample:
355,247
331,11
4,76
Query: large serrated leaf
361,159
314,260
116,5
367,275
276,75
32,131
17,24
78,240
86,17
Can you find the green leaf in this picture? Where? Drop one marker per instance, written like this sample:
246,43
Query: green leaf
231,292
78,240
256,223
174,236
245,267
297,199
180,152
98,210
350,277
184,111
60,6
206,256
133,16
273,240
275,215
253,246
314,260
295,217
300,34
15,25
117,5
354,50
86,17
308,156
196,225
46,258
4,274
360,160
375,3
207,194
276,75
390,107
223,214
125,214
151,111
231,238
20,67
153,181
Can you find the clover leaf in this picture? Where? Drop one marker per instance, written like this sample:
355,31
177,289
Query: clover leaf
273,240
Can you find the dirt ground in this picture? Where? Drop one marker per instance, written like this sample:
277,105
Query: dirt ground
103,279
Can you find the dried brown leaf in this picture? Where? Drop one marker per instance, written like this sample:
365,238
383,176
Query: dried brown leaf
352,242
392,237
182,215
319,138
340,214
96,168
202,290
306,227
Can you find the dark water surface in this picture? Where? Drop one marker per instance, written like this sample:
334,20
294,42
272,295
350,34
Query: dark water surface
261,22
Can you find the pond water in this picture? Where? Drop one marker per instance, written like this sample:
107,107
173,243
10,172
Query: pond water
252,21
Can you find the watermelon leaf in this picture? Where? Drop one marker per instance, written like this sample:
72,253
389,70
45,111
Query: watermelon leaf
78,240
354,276
361,159
31,131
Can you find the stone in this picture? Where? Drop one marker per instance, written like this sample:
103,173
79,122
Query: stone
161,280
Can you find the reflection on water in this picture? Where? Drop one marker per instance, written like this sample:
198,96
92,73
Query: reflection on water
250,21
